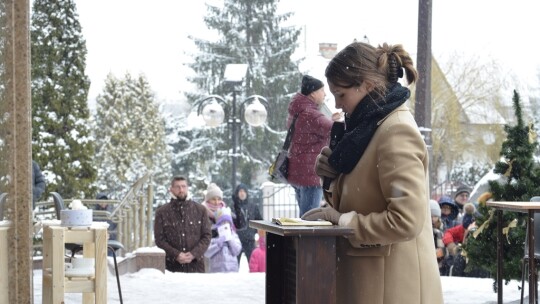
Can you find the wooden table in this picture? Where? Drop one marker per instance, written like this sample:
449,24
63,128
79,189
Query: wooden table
526,207
300,262
55,283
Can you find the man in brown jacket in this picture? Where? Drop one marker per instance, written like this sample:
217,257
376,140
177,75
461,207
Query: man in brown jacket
183,230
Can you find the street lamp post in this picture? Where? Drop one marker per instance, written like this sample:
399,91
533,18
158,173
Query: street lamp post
254,109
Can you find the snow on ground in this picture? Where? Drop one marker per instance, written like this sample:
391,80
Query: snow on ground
152,286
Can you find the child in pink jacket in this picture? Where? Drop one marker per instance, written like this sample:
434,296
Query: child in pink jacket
257,261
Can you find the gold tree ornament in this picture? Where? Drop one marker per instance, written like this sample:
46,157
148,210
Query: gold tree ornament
480,229
532,134
482,199
506,230
509,170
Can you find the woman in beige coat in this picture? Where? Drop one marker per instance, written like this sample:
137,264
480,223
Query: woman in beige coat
379,182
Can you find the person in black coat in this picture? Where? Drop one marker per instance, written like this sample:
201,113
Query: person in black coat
245,211
38,186
107,207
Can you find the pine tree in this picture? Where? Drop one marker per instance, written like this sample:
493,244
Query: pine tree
522,181
130,136
194,152
60,134
249,33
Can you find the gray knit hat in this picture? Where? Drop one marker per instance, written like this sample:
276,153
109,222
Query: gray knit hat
435,208
213,191
462,189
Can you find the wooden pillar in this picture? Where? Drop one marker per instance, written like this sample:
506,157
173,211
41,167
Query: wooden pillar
17,138
422,108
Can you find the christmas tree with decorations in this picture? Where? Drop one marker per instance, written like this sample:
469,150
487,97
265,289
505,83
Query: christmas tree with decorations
521,181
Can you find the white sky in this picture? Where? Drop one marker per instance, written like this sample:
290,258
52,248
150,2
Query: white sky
152,286
150,37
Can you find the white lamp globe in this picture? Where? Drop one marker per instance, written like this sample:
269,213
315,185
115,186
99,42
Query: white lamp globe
255,113
213,114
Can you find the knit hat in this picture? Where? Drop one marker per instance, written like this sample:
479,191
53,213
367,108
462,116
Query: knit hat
462,189
213,191
435,208
102,196
223,215
310,84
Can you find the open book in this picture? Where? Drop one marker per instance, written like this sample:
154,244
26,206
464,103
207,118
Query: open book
296,221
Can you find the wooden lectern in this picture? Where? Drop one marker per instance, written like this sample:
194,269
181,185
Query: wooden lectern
300,262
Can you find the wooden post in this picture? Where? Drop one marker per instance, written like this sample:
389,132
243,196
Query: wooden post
17,109
422,106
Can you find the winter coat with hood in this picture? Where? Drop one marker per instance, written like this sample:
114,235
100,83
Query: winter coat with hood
450,220
311,134
182,226
245,211
384,199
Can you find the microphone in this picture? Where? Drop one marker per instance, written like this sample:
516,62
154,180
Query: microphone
336,134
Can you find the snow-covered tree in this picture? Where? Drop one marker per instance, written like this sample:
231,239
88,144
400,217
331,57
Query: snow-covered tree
60,133
130,136
466,113
249,33
194,152
521,175
534,100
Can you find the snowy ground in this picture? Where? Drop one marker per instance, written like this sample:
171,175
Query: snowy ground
152,286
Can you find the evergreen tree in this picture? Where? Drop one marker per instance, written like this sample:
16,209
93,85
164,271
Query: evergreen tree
249,33
60,134
468,173
522,181
130,136
194,153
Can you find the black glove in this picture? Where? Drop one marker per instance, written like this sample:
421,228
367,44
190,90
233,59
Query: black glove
322,167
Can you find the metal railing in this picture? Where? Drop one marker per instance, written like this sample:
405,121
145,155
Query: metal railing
134,215
278,200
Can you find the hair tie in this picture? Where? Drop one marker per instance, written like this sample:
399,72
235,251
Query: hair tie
395,72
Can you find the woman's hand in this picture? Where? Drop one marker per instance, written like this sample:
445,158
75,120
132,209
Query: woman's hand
322,167
324,213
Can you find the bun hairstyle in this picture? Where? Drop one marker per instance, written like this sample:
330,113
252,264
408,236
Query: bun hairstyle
393,59
381,66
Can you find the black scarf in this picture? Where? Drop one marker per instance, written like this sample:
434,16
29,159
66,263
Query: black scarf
362,124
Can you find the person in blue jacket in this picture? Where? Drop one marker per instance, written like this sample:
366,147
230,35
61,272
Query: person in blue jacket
449,212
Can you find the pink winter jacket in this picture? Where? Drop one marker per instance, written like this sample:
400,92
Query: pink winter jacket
257,261
311,134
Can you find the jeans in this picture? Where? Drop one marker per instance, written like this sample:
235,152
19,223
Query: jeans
308,197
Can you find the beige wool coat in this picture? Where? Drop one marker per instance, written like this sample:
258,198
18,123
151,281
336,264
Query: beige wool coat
390,258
